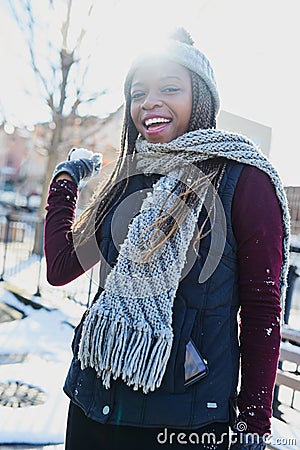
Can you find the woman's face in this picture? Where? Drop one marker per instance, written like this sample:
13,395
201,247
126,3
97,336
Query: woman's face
161,100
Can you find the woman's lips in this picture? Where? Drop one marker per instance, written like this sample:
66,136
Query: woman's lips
156,129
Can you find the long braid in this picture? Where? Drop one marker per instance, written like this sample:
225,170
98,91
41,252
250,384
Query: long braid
203,111
108,193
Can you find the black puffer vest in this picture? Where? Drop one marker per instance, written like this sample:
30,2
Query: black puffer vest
205,312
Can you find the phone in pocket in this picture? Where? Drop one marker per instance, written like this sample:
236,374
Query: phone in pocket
195,366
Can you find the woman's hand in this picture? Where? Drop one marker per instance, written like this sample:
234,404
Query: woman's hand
81,165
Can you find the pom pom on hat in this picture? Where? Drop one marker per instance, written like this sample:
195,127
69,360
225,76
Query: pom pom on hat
182,35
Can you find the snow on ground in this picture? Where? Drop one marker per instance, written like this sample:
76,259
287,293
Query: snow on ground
45,337
71,298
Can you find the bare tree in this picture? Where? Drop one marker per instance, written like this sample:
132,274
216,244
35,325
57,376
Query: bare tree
57,75
60,75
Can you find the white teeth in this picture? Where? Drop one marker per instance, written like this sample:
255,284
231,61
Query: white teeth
149,122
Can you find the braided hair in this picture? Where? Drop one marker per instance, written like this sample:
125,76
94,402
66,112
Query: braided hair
203,111
203,114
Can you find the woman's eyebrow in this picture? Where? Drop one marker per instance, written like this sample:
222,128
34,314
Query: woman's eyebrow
166,77
163,78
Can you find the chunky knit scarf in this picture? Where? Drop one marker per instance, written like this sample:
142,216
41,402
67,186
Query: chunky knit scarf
128,332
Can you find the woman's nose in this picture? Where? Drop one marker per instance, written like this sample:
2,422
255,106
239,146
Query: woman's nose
151,101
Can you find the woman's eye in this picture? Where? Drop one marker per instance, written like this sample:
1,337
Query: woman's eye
137,94
168,89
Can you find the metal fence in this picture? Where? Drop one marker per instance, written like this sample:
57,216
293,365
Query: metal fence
22,263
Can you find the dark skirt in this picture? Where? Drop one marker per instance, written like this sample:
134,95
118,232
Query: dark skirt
86,434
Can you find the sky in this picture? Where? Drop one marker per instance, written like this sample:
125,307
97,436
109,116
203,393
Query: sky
253,46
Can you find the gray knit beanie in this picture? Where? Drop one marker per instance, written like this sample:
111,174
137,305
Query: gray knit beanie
187,55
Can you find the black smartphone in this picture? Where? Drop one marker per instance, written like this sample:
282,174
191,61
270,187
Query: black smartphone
195,366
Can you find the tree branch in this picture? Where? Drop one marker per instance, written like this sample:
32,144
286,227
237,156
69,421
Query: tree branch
75,106
30,43
66,26
67,60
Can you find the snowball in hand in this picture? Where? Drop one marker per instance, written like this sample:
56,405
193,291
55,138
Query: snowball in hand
83,153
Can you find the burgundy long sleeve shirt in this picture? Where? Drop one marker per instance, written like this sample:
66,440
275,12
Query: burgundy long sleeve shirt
257,226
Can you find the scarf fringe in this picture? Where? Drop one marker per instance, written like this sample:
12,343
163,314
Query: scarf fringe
114,348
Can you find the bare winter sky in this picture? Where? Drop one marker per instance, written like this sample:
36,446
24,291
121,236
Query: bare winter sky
253,46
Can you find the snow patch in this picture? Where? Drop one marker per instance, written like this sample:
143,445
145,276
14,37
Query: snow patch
45,337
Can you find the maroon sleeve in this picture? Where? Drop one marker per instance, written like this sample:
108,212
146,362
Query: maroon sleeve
257,225
62,261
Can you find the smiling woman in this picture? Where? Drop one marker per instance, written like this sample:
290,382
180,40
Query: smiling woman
158,353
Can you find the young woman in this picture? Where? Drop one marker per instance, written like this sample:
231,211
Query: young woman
191,228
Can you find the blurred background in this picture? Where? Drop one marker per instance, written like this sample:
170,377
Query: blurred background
63,63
